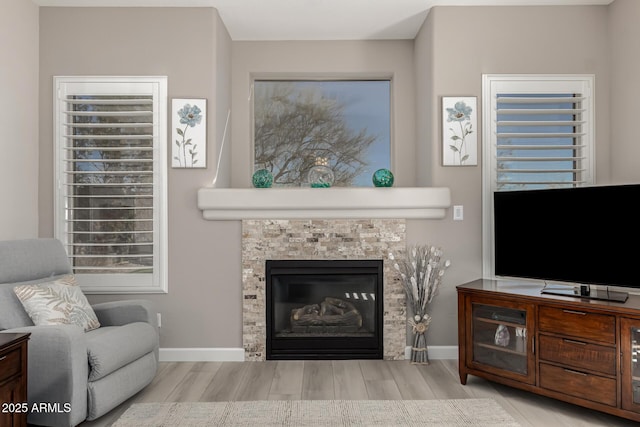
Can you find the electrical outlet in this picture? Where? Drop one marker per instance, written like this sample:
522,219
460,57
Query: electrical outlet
159,320
458,213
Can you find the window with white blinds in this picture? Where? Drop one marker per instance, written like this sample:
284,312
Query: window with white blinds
539,140
111,181
538,132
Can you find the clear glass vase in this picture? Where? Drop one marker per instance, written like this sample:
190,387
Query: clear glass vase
320,175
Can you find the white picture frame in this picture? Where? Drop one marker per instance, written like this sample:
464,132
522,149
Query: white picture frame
189,133
459,131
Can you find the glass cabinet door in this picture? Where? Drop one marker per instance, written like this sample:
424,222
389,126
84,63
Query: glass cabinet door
630,369
501,339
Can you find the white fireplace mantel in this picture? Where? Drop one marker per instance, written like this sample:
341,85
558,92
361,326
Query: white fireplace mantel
323,203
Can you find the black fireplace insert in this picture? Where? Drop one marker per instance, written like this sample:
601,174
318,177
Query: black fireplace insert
324,309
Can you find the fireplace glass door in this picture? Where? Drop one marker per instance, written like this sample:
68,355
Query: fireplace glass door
318,309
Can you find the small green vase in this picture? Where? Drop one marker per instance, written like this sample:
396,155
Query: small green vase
382,178
262,178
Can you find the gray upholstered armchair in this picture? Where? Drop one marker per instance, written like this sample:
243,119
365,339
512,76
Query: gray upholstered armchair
92,371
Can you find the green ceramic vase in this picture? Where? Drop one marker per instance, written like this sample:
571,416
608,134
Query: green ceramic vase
262,178
382,178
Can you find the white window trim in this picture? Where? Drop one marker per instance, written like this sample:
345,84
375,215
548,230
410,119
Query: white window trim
536,83
120,283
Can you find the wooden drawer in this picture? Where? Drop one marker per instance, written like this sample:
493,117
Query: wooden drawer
583,325
10,363
578,354
578,384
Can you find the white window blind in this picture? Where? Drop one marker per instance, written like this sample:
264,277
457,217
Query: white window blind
111,181
539,140
538,132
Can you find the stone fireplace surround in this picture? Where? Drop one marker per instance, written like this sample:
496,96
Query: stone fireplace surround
320,239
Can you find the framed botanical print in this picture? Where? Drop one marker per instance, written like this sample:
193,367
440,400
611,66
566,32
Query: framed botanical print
189,133
459,131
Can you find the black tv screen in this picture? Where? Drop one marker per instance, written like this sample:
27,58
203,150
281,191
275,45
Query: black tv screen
584,235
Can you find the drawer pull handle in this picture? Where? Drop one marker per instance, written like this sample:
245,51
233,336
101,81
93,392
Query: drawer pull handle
575,372
2,358
581,313
574,342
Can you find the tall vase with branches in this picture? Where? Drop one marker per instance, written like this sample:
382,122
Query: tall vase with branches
421,270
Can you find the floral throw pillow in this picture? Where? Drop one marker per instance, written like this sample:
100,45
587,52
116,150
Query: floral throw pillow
59,302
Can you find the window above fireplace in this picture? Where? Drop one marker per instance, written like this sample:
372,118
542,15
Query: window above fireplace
343,123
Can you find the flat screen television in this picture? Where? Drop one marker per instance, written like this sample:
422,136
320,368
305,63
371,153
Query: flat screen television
570,236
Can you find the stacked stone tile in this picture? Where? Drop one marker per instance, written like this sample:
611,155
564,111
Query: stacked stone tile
320,239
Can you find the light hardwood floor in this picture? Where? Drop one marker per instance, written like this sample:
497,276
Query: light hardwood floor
350,379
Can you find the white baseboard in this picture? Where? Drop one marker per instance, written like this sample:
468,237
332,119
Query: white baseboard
201,355
436,352
237,354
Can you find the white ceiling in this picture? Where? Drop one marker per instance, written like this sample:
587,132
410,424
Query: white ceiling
318,19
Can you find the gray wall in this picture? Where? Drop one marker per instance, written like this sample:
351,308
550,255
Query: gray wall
191,47
336,59
624,35
455,46
18,119
203,307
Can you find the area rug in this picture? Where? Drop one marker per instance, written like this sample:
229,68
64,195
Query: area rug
314,413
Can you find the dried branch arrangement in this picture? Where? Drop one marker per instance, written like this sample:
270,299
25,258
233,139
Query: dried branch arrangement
421,270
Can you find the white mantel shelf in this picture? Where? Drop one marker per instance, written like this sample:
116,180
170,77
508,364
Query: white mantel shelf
323,203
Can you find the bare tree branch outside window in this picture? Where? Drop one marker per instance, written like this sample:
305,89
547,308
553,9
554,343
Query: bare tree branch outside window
345,122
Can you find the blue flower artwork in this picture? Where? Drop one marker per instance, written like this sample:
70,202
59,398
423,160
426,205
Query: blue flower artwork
189,133
459,121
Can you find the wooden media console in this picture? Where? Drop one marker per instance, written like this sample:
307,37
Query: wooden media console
580,351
